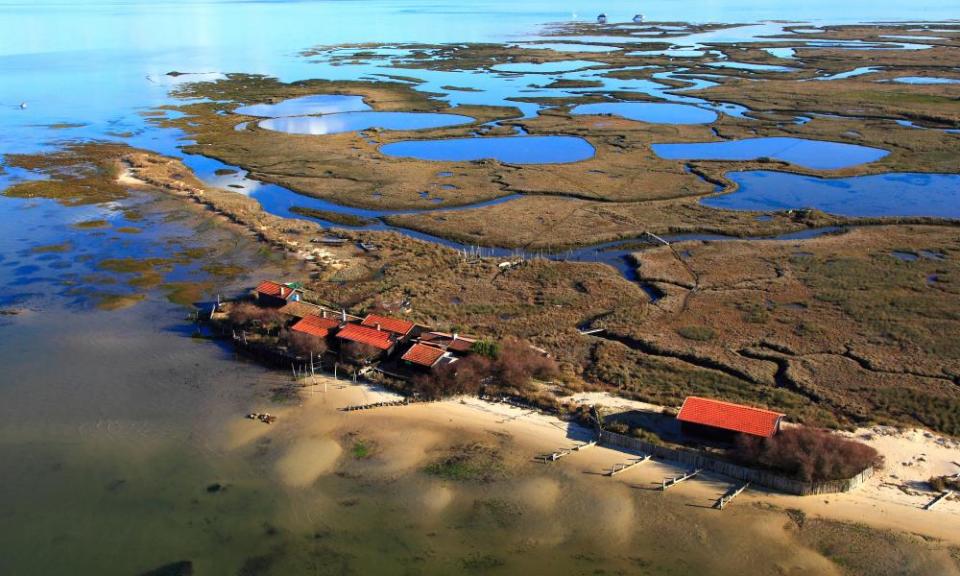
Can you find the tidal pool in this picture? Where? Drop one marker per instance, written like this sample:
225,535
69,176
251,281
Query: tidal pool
315,104
652,112
815,154
850,73
894,194
545,67
568,47
925,80
752,67
354,121
508,149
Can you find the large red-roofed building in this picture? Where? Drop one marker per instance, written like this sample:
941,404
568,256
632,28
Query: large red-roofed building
707,417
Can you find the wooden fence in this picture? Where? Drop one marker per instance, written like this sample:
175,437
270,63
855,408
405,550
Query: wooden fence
699,460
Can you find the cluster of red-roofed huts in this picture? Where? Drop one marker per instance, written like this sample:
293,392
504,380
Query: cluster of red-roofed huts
404,343
418,348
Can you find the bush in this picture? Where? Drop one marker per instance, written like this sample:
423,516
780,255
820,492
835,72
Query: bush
510,371
358,352
487,348
462,377
807,454
698,333
943,483
247,314
306,344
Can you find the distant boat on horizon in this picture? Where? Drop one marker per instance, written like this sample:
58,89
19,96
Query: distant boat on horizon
602,18
638,18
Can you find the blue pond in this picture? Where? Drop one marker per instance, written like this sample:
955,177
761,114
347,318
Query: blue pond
925,80
652,112
894,194
814,154
353,121
509,149
316,104
752,67
545,67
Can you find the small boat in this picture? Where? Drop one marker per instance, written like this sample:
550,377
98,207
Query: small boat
23,105
602,18
638,18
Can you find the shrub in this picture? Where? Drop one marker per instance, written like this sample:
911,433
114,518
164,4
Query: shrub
511,371
306,344
359,352
247,314
698,333
462,377
487,348
807,454
942,483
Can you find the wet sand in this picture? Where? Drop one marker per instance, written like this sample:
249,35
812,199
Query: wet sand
417,427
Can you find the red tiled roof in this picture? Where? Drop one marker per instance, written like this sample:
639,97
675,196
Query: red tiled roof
461,344
423,355
728,416
364,335
395,325
315,325
270,288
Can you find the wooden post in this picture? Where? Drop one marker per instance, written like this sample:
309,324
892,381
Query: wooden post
727,498
943,496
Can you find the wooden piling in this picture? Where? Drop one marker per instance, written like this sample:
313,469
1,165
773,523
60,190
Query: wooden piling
729,496
673,481
943,496
624,466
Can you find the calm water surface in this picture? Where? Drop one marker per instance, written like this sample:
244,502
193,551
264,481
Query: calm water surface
509,149
652,112
816,154
936,195
354,121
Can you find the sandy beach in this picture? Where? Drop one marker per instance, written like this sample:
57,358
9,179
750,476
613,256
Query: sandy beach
892,499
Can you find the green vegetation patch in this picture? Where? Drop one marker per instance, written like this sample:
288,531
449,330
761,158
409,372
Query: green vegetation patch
77,175
52,248
92,224
469,463
697,333
131,265
331,216
117,301
362,449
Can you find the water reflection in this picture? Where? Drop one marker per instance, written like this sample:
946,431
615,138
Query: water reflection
354,121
